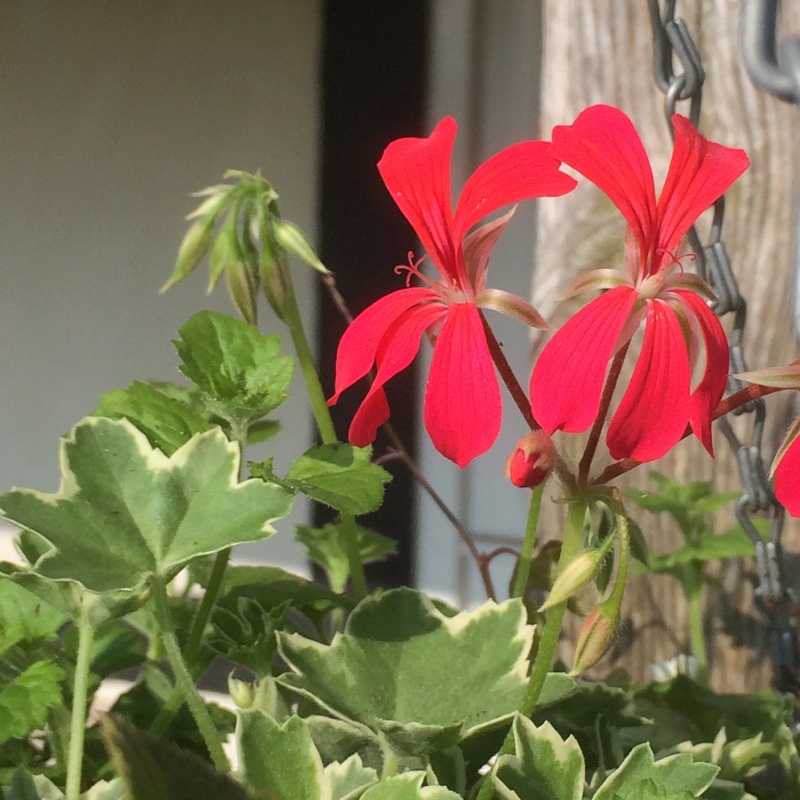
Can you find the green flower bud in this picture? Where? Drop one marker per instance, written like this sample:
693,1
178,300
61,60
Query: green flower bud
597,635
577,574
242,693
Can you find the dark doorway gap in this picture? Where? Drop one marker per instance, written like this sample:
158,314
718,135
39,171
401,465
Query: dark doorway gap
374,78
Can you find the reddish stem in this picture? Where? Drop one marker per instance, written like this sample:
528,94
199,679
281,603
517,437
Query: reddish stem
602,413
509,378
737,400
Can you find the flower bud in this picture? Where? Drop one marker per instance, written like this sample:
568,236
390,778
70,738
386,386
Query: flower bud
576,575
531,461
597,635
242,693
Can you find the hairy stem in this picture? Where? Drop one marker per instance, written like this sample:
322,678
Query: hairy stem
80,691
183,678
573,534
529,542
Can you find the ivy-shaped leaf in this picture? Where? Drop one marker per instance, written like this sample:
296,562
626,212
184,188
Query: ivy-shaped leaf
125,511
544,766
280,759
25,700
671,776
341,476
327,546
414,666
235,365
167,422
407,786
349,779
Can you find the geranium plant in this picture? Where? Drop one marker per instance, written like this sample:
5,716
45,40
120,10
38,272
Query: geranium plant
342,693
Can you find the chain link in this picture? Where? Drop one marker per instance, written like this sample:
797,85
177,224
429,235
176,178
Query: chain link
679,74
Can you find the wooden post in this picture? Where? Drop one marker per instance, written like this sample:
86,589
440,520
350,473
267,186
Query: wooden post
601,52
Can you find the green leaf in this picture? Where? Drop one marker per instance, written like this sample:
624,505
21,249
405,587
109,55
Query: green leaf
126,511
337,740
154,769
544,765
407,786
24,616
671,777
280,759
235,365
167,422
349,779
25,701
341,476
734,543
413,665
25,786
327,546
244,632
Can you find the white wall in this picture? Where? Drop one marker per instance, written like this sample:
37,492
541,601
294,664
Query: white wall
113,113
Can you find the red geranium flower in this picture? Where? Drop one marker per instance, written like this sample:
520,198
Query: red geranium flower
569,376
462,399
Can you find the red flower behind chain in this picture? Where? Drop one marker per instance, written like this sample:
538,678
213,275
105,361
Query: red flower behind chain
462,399
681,331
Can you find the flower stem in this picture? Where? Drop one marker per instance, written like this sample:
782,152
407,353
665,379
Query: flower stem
509,378
322,415
602,413
183,678
526,554
694,594
80,690
570,547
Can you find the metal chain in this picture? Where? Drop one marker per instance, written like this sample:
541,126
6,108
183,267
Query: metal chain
679,74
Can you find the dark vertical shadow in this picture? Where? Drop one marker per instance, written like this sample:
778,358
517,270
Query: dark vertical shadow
374,75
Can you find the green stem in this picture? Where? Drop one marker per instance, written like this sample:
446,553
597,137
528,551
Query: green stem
183,678
694,594
322,415
570,547
526,554
348,524
316,395
80,692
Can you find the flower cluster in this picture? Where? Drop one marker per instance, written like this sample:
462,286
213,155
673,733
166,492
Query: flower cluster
681,366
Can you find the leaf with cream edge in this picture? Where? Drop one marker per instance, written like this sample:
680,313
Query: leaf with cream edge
407,786
415,666
125,511
544,766
676,776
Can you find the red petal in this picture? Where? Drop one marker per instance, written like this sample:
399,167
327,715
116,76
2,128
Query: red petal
787,479
417,174
654,410
700,172
705,398
519,172
463,408
359,343
568,376
604,147
395,352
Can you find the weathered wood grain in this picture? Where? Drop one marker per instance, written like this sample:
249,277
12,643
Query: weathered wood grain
602,52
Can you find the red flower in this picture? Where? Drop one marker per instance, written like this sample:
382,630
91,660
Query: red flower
462,399
569,376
